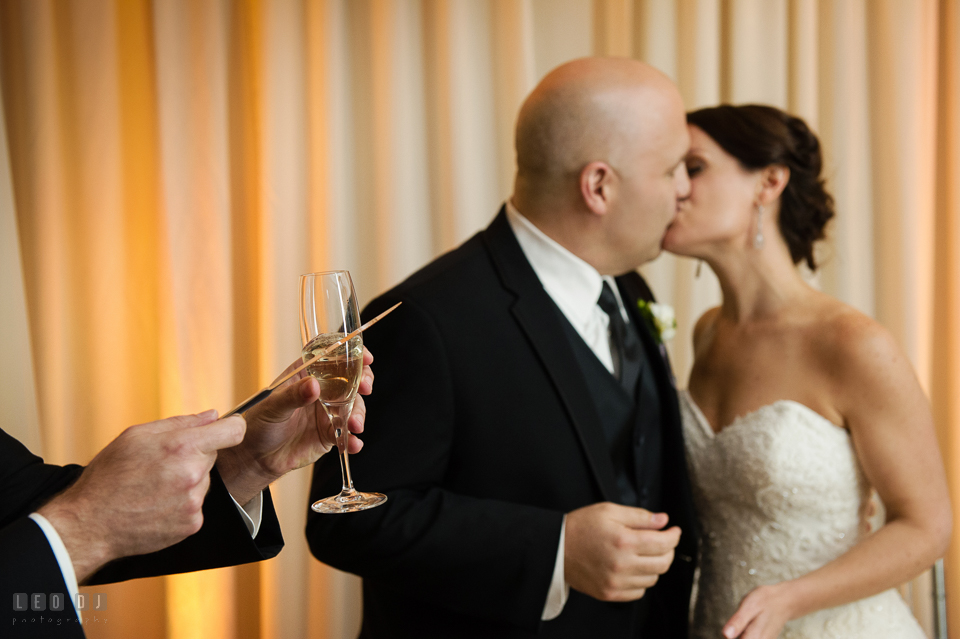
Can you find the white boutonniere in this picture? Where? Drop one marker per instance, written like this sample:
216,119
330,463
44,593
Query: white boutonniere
661,319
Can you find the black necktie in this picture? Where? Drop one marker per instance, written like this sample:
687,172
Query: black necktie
625,341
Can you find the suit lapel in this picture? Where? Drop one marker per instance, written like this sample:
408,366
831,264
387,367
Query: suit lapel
540,321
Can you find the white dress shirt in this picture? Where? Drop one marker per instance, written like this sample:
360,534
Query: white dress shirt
61,555
575,287
252,514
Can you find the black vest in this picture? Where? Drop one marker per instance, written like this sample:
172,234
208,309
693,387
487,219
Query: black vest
631,423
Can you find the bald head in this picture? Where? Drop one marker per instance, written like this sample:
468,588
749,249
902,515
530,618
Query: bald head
591,109
600,150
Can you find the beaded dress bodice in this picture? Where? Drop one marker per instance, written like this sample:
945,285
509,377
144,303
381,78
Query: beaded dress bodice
779,493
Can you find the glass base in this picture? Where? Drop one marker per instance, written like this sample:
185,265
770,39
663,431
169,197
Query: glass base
348,502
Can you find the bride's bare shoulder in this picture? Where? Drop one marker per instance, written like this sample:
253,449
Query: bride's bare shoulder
858,350
842,329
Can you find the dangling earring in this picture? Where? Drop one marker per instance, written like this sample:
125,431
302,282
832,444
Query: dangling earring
758,238
696,273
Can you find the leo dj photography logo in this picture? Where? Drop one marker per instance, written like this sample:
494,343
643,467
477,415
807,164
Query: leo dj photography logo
35,608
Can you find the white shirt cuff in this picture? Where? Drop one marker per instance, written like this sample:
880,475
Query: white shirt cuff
61,555
559,589
252,513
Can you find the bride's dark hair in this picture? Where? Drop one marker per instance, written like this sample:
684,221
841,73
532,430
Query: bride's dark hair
759,136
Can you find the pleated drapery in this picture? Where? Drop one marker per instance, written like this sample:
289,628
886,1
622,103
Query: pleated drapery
170,167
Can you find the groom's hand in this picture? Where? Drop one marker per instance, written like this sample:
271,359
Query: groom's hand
614,553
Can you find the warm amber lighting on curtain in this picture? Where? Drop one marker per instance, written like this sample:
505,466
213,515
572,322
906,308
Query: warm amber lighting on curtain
317,33
612,32
945,380
437,69
177,164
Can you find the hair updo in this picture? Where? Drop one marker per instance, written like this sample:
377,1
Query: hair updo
759,136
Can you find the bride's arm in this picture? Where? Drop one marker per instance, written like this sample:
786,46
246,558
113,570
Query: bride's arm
893,433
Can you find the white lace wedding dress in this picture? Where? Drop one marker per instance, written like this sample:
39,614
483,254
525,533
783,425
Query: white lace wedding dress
779,493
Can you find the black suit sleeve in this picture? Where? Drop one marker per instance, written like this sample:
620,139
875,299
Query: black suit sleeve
29,567
487,558
27,563
222,541
26,483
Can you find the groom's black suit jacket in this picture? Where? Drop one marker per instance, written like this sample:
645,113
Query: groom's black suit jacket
28,565
482,433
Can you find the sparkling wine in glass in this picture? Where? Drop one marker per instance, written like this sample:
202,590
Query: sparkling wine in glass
328,312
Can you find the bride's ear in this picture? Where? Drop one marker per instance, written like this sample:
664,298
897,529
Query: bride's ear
773,180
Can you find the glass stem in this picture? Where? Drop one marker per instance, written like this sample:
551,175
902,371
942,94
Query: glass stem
339,413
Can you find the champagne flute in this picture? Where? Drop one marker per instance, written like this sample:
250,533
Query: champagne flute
328,312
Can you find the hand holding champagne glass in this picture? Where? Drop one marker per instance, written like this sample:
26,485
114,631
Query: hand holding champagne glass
328,312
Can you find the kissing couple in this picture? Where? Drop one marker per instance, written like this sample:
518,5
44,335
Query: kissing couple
546,478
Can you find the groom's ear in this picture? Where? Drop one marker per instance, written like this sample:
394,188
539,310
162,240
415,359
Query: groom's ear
596,187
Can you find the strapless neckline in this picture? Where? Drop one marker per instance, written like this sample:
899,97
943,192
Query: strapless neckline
779,493
702,420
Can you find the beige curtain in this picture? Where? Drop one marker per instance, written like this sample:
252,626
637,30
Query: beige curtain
174,165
